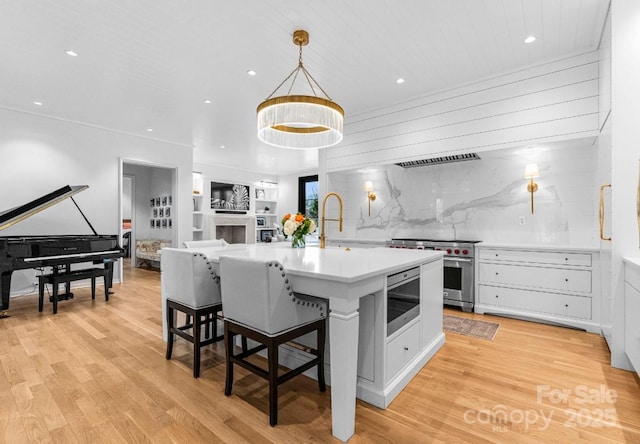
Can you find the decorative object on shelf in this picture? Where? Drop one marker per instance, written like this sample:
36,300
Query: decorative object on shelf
261,221
531,171
300,121
266,235
297,227
371,196
259,194
266,210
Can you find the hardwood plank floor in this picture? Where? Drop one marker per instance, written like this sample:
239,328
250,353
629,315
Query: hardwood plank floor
96,372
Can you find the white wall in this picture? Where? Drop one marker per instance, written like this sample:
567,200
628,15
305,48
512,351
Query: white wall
540,104
151,182
41,154
478,200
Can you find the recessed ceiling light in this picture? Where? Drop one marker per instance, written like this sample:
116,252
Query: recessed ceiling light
71,52
221,147
530,39
251,72
37,103
150,130
207,101
400,80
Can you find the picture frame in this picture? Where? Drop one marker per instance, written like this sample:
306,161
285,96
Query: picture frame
155,213
161,212
164,223
261,221
153,224
167,212
170,199
152,202
266,235
157,201
164,201
170,224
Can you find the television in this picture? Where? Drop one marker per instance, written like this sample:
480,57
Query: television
229,198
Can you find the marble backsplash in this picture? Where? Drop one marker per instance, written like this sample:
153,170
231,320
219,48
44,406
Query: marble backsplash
482,199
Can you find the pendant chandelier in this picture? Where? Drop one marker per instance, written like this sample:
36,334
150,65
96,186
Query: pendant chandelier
300,121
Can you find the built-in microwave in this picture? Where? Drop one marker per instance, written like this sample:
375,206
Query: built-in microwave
403,298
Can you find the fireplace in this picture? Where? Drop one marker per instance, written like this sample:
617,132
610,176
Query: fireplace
235,229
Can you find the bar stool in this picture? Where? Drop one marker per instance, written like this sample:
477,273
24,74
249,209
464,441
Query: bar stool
191,286
260,304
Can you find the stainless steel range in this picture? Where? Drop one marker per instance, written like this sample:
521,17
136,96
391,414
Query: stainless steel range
458,267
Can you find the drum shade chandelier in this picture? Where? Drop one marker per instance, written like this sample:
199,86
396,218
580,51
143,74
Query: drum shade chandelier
300,121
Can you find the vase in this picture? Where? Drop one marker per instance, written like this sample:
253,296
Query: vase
297,242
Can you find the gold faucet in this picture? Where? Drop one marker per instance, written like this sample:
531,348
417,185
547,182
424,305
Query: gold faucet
339,220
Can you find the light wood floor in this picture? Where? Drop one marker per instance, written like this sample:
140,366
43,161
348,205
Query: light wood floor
96,372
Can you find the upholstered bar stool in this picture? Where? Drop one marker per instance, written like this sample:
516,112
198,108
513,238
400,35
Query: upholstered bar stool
191,286
259,304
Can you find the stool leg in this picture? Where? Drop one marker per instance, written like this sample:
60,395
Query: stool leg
320,342
93,287
107,279
228,350
273,381
197,326
170,334
55,296
41,285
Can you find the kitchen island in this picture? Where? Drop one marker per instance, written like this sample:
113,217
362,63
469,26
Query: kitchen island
384,364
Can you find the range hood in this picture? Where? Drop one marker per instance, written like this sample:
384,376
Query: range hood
439,160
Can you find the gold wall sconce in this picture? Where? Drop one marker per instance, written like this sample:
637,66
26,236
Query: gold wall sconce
371,196
531,171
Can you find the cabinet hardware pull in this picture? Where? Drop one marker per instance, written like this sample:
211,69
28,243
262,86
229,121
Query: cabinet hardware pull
496,295
566,305
406,349
602,236
566,280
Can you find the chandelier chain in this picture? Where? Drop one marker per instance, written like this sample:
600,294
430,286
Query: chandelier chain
307,75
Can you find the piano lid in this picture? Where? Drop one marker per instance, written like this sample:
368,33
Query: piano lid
17,214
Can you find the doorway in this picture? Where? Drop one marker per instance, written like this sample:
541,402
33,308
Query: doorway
147,200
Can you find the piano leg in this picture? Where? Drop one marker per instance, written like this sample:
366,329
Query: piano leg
5,288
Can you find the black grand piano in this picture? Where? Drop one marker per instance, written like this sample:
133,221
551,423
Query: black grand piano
22,252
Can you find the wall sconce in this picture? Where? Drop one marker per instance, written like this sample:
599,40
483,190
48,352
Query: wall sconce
371,196
531,171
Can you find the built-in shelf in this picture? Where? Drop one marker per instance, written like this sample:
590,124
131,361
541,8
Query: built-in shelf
198,216
266,200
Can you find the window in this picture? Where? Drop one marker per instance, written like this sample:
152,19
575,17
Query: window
308,196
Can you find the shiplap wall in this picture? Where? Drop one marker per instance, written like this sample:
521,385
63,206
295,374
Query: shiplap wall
549,102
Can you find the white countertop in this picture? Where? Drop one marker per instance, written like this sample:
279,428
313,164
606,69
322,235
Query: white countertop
633,261
331,263
551,247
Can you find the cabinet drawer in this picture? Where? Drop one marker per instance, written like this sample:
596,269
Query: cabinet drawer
536,257
402,349
536,301
631,325
537,277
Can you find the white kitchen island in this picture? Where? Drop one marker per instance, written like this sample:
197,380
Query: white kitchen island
344,277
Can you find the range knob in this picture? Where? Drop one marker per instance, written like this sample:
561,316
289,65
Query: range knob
465,251
448,250
456,251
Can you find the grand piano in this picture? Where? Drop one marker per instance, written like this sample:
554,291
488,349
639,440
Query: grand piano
23,252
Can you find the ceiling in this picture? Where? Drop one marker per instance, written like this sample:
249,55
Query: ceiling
152,63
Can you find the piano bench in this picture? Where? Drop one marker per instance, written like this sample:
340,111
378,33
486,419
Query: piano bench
65,278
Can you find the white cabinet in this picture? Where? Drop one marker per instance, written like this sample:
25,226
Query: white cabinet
540,284
402,348
198,217
266,213
631,315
